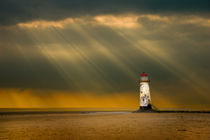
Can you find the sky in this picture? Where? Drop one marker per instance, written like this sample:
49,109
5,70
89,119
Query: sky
90,53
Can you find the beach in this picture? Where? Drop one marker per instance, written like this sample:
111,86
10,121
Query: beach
105,125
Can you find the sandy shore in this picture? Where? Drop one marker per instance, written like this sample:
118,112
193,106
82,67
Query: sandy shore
108,125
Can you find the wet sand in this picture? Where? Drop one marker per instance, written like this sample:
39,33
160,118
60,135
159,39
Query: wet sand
105,125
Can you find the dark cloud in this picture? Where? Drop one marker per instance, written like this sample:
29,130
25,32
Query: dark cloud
104,58
15,11
16,71
23,65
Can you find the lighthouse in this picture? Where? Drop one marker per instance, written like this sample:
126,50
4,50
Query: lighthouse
145,97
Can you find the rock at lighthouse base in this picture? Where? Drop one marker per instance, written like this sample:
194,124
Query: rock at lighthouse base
146,109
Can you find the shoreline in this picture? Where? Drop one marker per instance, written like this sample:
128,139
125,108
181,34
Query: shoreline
98,111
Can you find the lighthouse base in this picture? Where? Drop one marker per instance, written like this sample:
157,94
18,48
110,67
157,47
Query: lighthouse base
146,108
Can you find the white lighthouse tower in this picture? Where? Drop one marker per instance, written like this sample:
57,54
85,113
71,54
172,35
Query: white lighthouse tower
145,97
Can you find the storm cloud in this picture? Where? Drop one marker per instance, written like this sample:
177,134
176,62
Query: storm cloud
13,11
99,49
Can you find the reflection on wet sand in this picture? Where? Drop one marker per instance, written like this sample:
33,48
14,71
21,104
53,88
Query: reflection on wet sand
105,125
